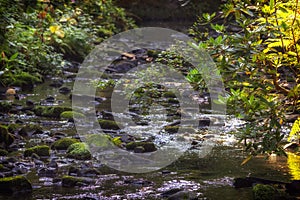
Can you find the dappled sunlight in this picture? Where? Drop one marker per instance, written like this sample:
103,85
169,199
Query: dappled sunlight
293,162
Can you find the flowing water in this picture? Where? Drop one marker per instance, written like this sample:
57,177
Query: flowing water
209,177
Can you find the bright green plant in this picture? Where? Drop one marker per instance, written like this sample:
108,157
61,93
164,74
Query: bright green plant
256,47
295,131
42,36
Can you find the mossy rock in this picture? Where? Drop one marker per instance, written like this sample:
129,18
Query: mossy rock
72,181
30,129
3,152
264,192
13,127
6,138
108,124
171,129
63,143
51,111
14,184
79,151
71,114
5,107
148,146
42,150
99,141
169,94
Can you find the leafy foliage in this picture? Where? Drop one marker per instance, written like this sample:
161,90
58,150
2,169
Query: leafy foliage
295,131
255,44
43,36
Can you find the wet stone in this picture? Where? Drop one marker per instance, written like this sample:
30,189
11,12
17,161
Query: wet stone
71,181
64,90
56,83
139,149
47,172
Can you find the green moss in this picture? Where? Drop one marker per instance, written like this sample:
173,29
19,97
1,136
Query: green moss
108,124
148,146
71,114
169,94
42,150
14,184
264,192
13,127
28,129
51,111
79,151
3,152
99,140
64,143
117,141
5,137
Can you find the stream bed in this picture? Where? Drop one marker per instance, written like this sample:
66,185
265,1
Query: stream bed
195,175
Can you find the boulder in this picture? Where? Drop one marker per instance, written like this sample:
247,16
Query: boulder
79,151
70,114
50,111
42,150
30,129
108,124
147,146
63,143
6,139
14,184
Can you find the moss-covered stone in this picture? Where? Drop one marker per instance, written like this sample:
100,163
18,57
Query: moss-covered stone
51,111
42,150
169,94
148,146
3,152
99,141
63,143
6,138
71,181
15,184
71,114
79,151
30,129
264,192
108,124
13,127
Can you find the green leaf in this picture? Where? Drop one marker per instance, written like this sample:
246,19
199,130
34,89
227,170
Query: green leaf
282,9
13,57
248,12
271,4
